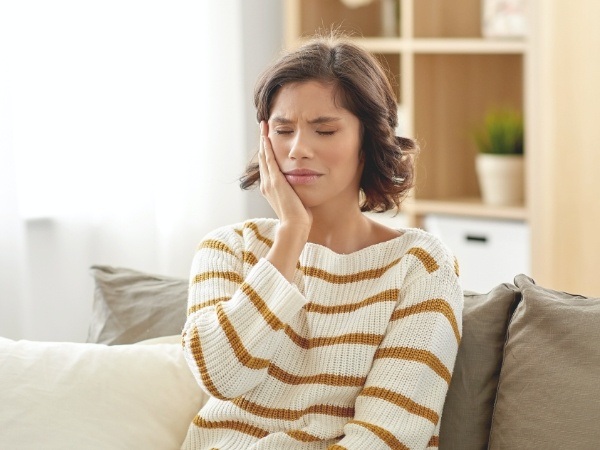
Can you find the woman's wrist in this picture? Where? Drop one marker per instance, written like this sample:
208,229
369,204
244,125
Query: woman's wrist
289,242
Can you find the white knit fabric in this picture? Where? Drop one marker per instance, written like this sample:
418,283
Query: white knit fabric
356,353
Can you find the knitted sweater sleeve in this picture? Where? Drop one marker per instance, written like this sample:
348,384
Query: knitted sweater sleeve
401,403
237,308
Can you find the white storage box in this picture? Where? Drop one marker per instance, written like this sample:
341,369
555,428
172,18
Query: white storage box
489,252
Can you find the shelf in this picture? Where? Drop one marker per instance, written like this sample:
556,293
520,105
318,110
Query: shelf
455,45
470,207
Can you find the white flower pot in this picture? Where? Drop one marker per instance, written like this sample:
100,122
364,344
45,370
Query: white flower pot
501,179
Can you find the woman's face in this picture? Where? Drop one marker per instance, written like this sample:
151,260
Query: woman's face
317,144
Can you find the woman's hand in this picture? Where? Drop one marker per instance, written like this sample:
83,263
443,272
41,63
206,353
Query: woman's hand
276,189
295,220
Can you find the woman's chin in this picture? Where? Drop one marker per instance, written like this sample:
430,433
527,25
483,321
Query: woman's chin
309,201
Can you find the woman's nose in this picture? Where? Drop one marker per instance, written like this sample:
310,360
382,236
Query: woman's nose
300,148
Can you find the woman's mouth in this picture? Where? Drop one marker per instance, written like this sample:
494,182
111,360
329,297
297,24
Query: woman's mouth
302,176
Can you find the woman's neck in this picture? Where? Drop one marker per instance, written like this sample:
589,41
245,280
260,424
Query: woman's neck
343,231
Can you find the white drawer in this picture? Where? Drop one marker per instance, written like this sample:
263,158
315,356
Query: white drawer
489,252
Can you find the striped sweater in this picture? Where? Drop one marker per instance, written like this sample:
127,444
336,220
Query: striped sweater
356,353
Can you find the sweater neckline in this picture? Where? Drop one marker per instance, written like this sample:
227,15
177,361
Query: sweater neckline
318,248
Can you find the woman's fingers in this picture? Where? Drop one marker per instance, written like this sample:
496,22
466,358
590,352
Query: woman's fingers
267,149
269,168
262,160
274,187
271,177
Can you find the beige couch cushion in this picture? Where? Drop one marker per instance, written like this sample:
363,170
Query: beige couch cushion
549,388
469,404
66,395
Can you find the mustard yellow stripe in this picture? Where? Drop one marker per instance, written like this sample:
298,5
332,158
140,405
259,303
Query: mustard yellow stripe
236,343
401,401
232,425
256,300
382,434
413,354
262,307
204,276
249,258
436,305
434,441
240,232
213,244
292,414
192,309
303,436
390,295
426,259
336,447
349,278
196,348
322,378
456,267
351,338
252,226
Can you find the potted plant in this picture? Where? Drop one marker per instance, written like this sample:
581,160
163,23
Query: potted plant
500,163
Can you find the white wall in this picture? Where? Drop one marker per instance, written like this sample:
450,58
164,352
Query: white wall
210,142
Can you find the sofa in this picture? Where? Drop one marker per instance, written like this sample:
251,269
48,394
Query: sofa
527,374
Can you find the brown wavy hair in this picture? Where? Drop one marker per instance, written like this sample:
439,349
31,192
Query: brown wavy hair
360,82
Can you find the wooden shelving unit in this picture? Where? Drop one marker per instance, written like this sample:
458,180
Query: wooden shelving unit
446,75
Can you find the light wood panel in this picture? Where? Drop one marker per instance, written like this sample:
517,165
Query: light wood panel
447,18
566,200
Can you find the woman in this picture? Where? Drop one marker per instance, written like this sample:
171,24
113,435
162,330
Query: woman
323,329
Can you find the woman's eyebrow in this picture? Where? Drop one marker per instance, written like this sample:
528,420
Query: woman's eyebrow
324,119
281,119
318,120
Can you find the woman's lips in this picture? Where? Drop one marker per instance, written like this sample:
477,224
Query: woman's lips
302,176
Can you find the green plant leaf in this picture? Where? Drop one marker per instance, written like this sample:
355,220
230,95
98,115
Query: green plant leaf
501,133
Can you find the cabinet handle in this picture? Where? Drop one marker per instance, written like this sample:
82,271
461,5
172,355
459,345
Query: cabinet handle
474,238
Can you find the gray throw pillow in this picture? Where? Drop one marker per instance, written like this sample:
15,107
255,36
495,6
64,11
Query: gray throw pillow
131,306
469,406
548,394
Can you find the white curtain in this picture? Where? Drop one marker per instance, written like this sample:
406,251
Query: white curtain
121,140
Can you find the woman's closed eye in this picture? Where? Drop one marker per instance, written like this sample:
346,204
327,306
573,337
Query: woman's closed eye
319,132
